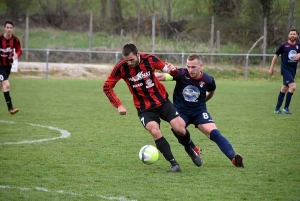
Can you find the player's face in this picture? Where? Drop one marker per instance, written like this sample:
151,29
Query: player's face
8,29
194,68
293,36
132,60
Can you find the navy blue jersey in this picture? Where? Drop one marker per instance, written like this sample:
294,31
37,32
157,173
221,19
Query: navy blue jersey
288,53
189,94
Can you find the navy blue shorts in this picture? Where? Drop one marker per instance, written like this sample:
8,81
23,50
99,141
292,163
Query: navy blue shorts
196,117
166,112
288,78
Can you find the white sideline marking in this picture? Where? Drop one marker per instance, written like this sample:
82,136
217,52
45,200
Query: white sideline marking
64,134
66,192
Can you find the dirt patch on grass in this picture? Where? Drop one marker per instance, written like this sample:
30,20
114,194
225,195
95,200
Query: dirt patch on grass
64,70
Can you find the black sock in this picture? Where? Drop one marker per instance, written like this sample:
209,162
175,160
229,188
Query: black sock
181,139
186,139
164,147
8,100
288,99
280,100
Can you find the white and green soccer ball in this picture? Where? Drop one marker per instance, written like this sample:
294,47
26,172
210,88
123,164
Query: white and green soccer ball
148,154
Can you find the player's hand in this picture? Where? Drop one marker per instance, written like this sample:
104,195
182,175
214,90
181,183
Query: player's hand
122,110
15,57
297,57
172,69
271,71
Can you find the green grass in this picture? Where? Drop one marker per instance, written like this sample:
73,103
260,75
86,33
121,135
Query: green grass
99,161
61,39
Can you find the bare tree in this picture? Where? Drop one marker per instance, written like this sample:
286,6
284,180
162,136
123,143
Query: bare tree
15,6
291,14
169,11
54,14
103,4
116,15
227,8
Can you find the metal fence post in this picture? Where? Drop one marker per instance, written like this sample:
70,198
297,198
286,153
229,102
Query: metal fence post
182,60
116,56
47,63
246,67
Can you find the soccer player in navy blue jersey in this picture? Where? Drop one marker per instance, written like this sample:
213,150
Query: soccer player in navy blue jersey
192,90
151,100
290,54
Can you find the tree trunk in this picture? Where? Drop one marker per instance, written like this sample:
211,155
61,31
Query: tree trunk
103,4
116,15
291,15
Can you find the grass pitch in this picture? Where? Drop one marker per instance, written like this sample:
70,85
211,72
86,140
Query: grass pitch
99,161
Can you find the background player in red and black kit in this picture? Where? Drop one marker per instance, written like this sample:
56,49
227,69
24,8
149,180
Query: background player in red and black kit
290,54
192,90
10,49
150,99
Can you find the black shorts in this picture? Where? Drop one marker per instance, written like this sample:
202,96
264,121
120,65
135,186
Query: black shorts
4,72
166,112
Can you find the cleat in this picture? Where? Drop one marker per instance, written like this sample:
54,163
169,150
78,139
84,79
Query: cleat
286,111
277,112
237,161
194,156
197,150
13,111
174,168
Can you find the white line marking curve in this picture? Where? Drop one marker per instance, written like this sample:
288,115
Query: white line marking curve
64,134
66,192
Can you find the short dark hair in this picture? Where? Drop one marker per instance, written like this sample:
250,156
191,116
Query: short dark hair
8,22
293,29
129,48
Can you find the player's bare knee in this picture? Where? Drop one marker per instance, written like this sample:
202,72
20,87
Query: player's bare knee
284,89
156,133
292,87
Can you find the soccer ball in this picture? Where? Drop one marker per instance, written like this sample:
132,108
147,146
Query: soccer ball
148,154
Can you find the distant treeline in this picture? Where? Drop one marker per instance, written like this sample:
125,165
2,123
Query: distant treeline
238,21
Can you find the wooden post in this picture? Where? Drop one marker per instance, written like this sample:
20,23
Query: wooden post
153,33
264,41
218,42
26,35
212,30
91,36
121,38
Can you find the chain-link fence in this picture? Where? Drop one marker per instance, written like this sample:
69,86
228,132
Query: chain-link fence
53,62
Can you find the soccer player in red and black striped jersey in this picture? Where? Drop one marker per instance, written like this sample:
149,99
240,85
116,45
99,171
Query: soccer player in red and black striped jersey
150,99
10,49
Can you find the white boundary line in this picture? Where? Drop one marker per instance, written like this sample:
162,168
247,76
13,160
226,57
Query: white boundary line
64,133
66,192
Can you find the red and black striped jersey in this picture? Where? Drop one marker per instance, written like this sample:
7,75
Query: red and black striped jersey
7,47
145,88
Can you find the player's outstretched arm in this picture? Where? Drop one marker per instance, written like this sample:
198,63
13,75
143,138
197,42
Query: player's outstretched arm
160,76
163,76
271,70
122,110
